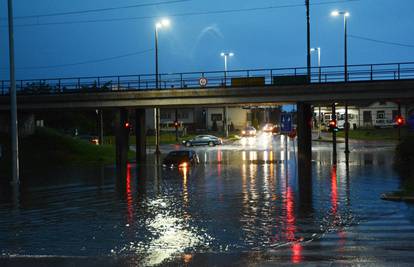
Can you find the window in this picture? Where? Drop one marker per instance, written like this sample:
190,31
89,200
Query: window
367,116
380,114
183,114
165,115
216,117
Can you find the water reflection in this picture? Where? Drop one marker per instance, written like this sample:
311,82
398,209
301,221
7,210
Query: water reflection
237,200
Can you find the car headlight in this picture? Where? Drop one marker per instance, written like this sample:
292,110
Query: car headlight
243,132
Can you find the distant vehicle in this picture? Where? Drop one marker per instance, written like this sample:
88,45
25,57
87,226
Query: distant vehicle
89,138
203,140
248,131
181,159
268,128
276,129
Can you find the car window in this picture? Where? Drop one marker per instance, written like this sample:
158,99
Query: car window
178,153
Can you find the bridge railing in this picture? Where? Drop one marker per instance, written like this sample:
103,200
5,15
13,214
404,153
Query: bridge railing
215,79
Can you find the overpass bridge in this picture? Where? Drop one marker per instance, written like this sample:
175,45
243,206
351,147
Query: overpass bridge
393,81
369,82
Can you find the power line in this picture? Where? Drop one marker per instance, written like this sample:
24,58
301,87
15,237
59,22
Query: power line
87,62
186,14
99,10
380,41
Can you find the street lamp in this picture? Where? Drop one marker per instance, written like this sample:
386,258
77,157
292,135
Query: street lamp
226,55
318,50
13,100
345,14
164,23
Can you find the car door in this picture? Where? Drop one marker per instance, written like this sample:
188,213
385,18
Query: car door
198,140
206,140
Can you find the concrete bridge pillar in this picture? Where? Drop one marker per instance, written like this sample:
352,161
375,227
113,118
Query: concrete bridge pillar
121,140
304,132
140,134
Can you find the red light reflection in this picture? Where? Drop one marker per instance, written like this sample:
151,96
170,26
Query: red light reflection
129,197
334,191
291,227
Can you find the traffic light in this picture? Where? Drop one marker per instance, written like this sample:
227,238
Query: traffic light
333,126
127,126
176,124
399,120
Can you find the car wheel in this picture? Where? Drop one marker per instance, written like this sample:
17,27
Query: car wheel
187,144
210,143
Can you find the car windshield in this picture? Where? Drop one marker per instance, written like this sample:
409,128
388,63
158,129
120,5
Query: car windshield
177,157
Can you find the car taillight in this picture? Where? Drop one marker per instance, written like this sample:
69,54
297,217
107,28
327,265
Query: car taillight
183,165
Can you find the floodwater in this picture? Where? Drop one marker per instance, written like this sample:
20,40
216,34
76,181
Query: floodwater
244,204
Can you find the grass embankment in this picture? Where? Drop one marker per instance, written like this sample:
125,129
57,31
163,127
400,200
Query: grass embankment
48,146
167,138
403,164
388,134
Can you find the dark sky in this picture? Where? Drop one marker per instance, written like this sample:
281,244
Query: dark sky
266,38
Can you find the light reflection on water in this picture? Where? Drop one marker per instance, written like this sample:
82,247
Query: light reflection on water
239,199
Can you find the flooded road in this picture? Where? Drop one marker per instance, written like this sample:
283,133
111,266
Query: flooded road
243,204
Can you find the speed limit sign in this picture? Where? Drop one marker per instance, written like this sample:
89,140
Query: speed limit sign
203,81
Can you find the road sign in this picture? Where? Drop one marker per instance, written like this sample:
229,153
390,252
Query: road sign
203,82
286,125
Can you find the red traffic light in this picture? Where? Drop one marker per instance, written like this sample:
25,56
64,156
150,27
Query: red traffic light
399,120
127,125
333,126
176,124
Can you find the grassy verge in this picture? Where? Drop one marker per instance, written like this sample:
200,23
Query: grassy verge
167,138
404,157
376,134
48,146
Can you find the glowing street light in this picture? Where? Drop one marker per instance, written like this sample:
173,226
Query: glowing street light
345,14
226,55
164,23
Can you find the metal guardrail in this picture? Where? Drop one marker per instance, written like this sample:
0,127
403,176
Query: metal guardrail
215,79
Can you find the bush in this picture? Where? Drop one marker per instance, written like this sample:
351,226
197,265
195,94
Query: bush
404,157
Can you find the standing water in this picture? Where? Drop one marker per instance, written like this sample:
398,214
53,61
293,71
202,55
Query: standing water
243,204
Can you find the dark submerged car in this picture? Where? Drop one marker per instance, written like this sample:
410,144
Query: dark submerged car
181,159
203,140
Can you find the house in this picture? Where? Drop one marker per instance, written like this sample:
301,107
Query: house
377,114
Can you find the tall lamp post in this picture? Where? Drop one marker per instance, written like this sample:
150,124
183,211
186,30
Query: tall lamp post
13,100
345,14
318,50
164,23
226,56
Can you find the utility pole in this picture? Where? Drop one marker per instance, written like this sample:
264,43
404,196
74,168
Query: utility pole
13,101
308,40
